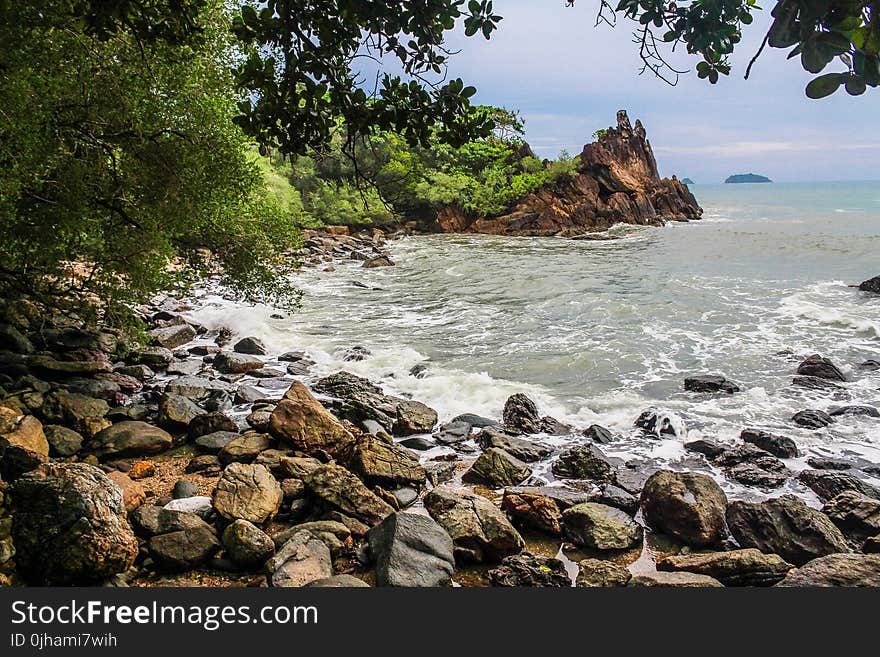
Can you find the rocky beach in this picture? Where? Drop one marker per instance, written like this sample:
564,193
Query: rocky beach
198,456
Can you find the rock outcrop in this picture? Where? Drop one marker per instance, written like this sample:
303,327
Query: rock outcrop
617,182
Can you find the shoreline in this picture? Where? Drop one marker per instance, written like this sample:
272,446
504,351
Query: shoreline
595,503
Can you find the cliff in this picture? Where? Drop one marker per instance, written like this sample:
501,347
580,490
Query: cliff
617,182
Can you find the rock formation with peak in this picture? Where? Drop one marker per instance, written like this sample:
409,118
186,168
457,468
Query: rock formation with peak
617,182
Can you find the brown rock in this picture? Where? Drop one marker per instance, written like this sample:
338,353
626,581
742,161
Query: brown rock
302,420
22,431
747,567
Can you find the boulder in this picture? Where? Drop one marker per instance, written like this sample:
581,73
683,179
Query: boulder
62,441
748,567
785,526
356,399
710,383
540,508
476,421
212,443
676,579
821,368
521,415
185,548
658,423
413,417
411,550
228,362
155,357
176,412
871,285
598,434
210,423
251,346
24,431
130,438
171,337
685,505
378,261
829,484
244,448
79,412
479,530
70,526
856,515
302,421
849,570
303,559
584,462
781,446
453,433
496,468
248,492
598,573
196,387
341,490
601,527
526,569
812,419
246,544
862,410
521,448
386,464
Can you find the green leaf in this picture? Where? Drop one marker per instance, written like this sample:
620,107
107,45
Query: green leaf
824,85
855,86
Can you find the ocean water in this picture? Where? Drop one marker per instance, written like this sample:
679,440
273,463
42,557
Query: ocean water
597,331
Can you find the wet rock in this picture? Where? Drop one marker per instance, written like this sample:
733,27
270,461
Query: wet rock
821,368
554,427
23,431
856,515
708,448
584,462
247,492
830,484
378,261
520,448
685,505
79,412
419,371
247,395
251,346
70,526
411,550
710,383
677,579
413,417
302,421
171,337
234,363
209,423
751,474
856,409
260,420
196,387
521,415
598,434
835,390
749,567
496,468
246,544
871,285
453,433
812,419
186,548
599,526
177,411
657,422
849,570
785,526
418,443
341,490
479,530
780,446
826,463
540,508
476,421
526,569
618,498
386,464
212,443
598,573
301,560
130,438
870,364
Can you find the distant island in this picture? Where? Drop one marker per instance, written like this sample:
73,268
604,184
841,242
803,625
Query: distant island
687,181
747,178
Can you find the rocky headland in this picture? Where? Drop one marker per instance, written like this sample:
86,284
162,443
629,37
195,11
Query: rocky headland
197,457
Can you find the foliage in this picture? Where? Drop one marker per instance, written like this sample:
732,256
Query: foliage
120,156
818,31
386,179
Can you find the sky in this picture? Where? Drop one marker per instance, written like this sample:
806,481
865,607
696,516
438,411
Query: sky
569,78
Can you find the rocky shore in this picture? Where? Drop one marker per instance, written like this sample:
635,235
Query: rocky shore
195,457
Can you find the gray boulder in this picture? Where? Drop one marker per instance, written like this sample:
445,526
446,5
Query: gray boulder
411,550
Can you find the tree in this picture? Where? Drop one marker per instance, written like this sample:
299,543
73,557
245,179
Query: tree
120,156
818,31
